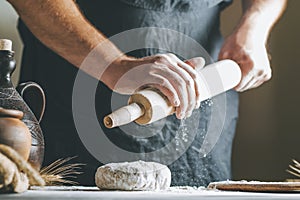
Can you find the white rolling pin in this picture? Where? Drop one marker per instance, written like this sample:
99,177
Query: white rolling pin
149,105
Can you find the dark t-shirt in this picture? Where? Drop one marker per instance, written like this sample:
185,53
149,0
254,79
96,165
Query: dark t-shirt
198,19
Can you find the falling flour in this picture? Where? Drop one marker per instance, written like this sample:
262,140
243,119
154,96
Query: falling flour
138,175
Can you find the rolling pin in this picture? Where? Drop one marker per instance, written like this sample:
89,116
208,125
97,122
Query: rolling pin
149,105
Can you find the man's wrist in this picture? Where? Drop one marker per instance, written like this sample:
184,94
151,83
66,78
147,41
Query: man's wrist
116,70
253,26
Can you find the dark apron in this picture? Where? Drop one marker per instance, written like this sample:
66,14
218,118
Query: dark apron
199,19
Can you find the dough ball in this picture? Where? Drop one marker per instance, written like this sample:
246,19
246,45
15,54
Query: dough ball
138,175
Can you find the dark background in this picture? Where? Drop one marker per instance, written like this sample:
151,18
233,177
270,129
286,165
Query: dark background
268,135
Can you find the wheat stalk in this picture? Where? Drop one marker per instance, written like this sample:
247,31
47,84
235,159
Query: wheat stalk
294,170
58,172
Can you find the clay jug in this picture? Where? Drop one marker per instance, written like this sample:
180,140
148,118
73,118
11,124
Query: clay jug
11,99
14,133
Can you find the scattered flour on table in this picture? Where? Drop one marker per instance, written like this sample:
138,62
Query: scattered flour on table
138,175
186,189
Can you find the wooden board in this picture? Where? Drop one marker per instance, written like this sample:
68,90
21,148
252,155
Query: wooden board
256,186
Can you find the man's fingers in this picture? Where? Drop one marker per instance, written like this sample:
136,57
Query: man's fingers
197,63
245,80
166,88
185,84
180,86
252,80
192,85
184,79
258,83
249,84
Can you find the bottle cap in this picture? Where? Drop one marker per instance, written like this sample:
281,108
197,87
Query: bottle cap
5,44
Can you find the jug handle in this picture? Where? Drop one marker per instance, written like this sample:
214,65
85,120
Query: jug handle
23,87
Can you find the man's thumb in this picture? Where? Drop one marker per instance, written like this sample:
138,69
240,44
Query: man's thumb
197,63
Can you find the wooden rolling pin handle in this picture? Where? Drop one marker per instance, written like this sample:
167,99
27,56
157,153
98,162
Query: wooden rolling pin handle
123,115
5,45
156,106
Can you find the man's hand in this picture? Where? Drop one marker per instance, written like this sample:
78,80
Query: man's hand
252,57
246,45
176,79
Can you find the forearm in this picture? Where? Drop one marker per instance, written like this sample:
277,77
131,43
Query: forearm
247,44
60,25
259,16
